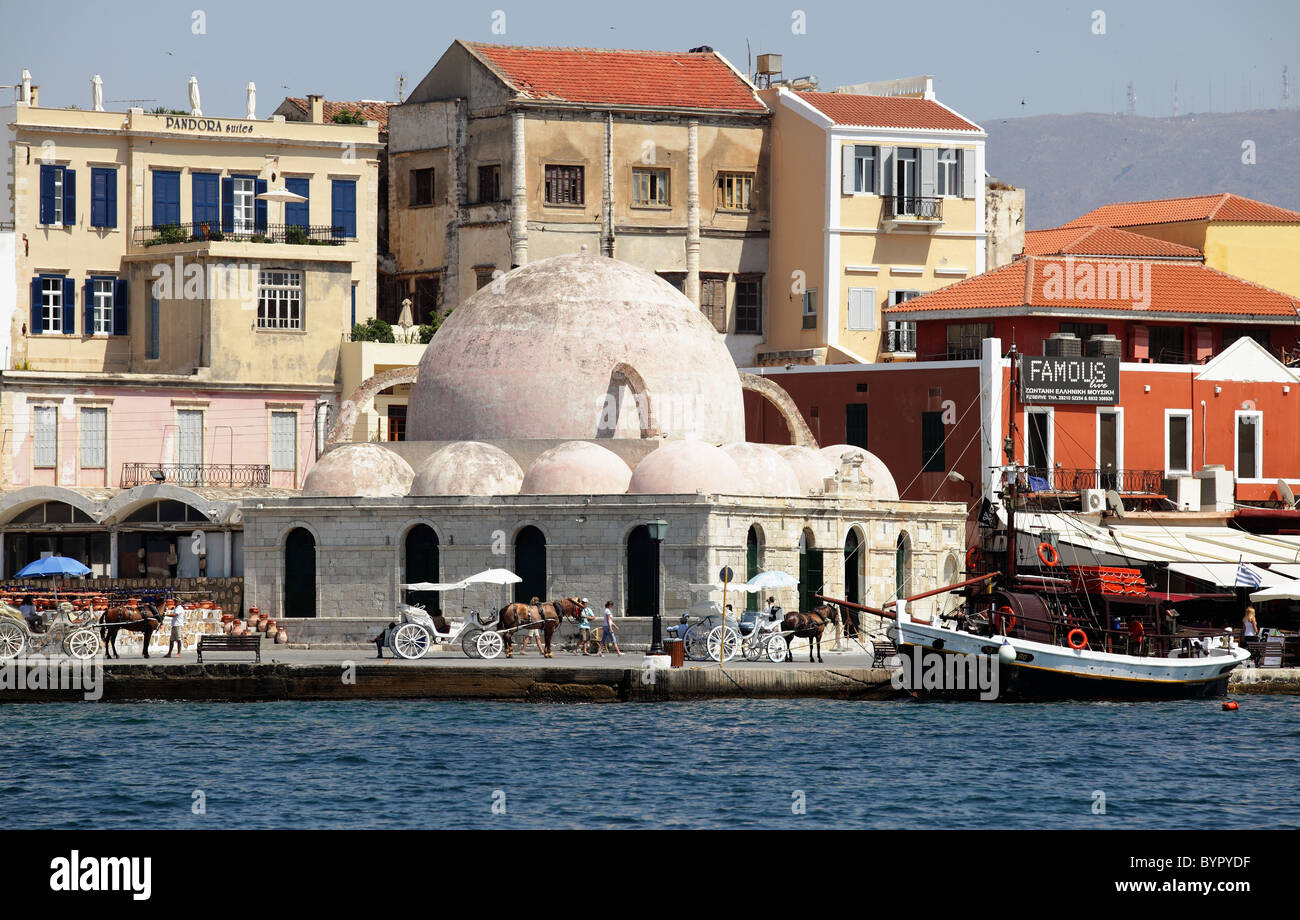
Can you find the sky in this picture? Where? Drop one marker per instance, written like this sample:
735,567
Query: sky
990,60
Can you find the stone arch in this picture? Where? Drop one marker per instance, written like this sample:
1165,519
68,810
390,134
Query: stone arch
625,375
774,393
130,500
341,431
15,503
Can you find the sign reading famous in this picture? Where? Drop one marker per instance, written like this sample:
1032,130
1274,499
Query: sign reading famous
1053,380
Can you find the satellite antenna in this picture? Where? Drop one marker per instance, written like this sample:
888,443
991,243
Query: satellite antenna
1285,491
1114,503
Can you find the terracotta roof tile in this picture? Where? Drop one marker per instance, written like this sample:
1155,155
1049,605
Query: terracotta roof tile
1221,207
1103,241
367,109
655,79
1036,285
886,111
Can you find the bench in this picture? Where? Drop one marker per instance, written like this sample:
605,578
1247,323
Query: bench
882,651
230,644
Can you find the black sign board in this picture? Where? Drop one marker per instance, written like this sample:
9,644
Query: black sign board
1093,381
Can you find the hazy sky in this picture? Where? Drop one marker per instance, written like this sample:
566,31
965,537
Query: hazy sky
986,57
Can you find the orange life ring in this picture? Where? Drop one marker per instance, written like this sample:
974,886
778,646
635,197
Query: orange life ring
1048,555
1006,619
973,557
1080,635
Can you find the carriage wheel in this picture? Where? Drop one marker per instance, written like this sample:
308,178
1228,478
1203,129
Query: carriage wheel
753,646
777,648
490,644
12,639
469,644
723,642
410,640
81,643
696,643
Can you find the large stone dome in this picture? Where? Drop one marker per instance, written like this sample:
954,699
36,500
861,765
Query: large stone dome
766,472
687,467
363,469
468,468
577,468
810,466
535,353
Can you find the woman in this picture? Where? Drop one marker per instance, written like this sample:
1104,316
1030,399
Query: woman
609,630
1249,627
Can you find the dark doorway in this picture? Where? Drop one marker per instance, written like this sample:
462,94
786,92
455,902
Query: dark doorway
852,565
300,574
903,567
855,425
1108,458
810,572
422,565
752,550
530,565
642,559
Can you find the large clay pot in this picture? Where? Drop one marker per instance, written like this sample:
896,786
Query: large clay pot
281,637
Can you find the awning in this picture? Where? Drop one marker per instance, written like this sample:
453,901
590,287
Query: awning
1225,574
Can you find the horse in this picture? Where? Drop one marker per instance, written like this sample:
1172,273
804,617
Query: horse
546,617
809,626
132,619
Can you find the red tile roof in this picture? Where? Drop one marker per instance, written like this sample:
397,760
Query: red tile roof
1222,207
1103,241
367,109
1037,285
701,80
886,111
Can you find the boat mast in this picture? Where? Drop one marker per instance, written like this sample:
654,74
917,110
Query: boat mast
1011,482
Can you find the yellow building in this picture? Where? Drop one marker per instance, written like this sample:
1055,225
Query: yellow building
878,197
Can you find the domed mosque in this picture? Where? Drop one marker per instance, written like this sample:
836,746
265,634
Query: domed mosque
555,414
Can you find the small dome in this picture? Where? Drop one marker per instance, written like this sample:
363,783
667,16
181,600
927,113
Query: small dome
468,468
811,468
577,468
687,467
882,481
766,472
367,470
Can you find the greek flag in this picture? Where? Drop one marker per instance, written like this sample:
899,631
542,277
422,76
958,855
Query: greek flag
1247,577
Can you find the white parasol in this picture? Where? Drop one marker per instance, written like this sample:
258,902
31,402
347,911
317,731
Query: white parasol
251,107
282,195
194,96
97,93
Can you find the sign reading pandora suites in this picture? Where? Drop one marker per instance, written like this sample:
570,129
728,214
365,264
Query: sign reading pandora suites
1057,380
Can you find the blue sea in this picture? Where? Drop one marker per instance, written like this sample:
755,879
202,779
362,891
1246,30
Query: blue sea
723,764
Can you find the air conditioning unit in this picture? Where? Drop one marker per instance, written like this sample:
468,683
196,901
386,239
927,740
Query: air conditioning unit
1184,492
1093,500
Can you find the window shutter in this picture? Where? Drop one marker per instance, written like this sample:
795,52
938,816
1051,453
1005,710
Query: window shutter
295,212
47,194
69,306
846,179
966,163
887,155
110,198
88,310
1140,339
259,206
1204,343
228,205
69,197
119,307
344,208
97,198
38,318
862,309
929,172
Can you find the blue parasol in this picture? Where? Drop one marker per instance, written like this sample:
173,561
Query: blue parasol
53,565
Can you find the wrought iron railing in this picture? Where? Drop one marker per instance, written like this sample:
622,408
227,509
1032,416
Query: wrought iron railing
915,206
900,337
1129,482
292,234
219,475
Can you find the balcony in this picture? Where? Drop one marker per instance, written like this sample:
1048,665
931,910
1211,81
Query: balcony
290,234
913,210
195,475
1126,482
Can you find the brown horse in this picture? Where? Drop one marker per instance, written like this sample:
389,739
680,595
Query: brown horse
809,626
546,617
144,619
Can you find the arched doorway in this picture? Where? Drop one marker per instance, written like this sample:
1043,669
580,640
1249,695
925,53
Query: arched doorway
422,565
530,564
642,558
903,567
852,579
299,574
753,555
810,571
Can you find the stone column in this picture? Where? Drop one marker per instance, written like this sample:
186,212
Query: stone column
607,202
693,213
226,545
518,194
112,552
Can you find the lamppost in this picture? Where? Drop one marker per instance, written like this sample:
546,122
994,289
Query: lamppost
658,530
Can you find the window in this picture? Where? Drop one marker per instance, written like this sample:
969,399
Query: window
1166,344
421,187
94,437
676,279
189,439
279,300
46,454
749,306
1231,335
855,425
1178,443
166,197
344,208
284,441
897,297
483,275
1250,445
397,423
862,309
245,191
103,197
1038,440
932,435
101,318
153,346
58,196
489,183
864,169
965,340
205,205
52,289
906,182
564,185
810,309
1084,331
949,173
734,190
650,188
296,213
900,337
713,300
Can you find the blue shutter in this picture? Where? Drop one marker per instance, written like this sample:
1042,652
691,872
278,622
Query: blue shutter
88,309
206,201
344,217
166,198
259,206
69,306
69,198
354,306
47,194
228,205
110,198
38,318
159,201
97,197
296,212
119,307
153,345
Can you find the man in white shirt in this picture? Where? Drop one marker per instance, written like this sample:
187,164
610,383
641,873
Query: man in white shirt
177,615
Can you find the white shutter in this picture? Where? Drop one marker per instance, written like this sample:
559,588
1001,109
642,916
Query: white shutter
966,163
189,445
46,453
929,169
847,153
93,435
886,184
862,309
283,440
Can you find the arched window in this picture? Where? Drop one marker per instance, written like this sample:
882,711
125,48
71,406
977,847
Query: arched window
299,574
530,564
753,552
903,567
421,564
810,571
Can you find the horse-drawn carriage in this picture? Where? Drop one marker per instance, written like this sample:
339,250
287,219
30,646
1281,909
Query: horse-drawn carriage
74,636
710,636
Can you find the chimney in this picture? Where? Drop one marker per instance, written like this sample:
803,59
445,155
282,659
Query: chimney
316,108
34,97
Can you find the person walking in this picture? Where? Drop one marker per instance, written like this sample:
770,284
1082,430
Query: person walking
608,630
177,614
584,625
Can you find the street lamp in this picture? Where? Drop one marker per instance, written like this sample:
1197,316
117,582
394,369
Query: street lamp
658,530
